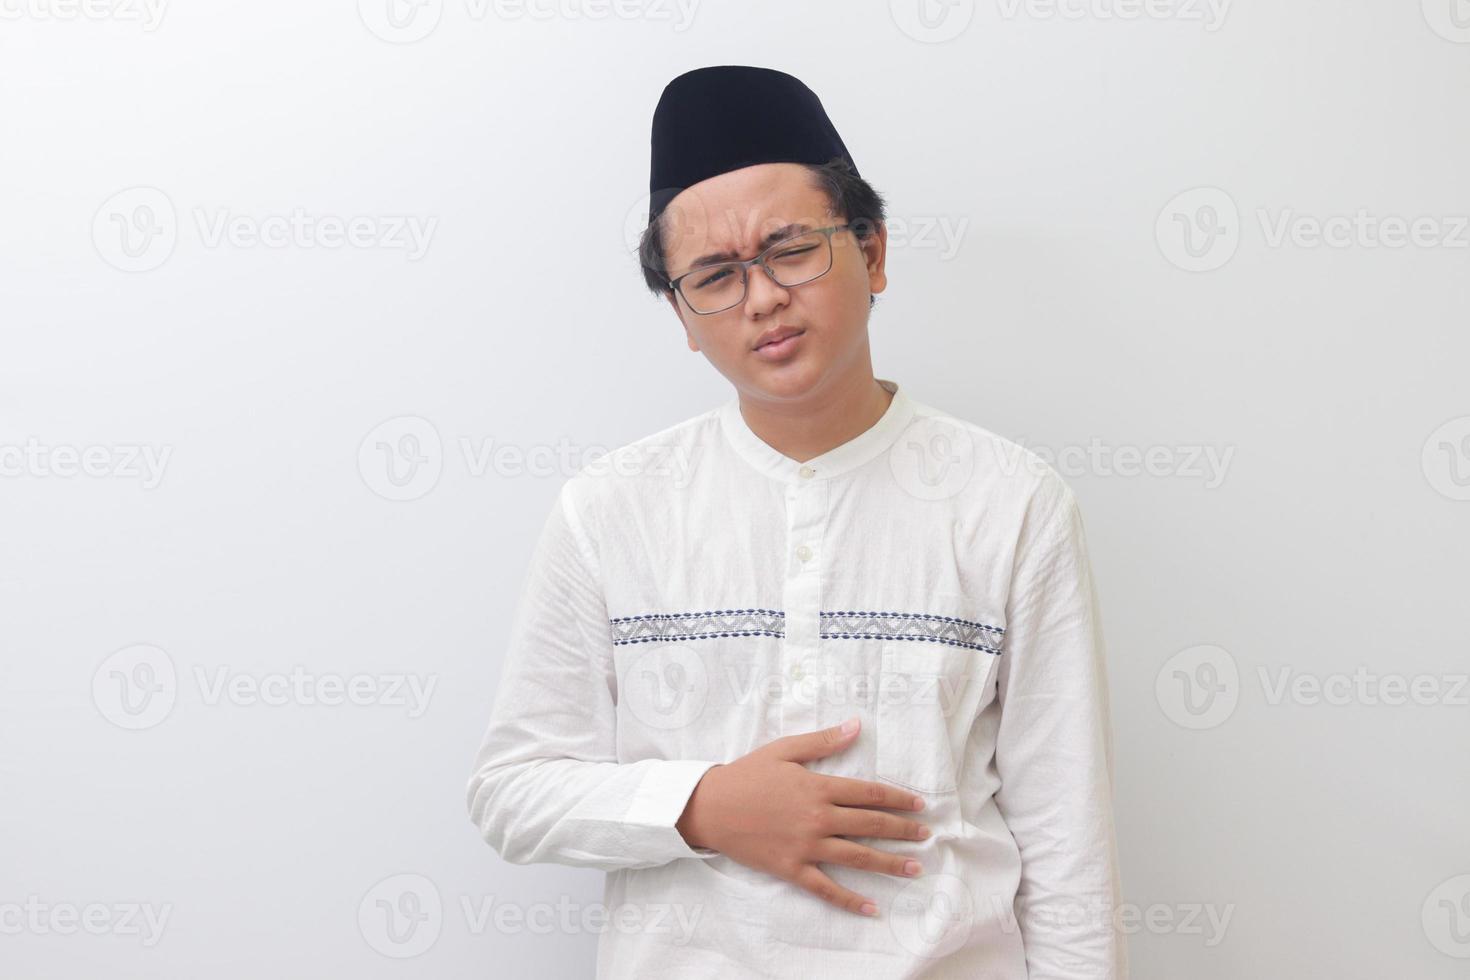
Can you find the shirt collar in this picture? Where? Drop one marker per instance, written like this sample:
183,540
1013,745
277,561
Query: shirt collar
835,461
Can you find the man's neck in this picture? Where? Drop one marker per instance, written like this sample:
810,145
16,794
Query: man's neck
807,429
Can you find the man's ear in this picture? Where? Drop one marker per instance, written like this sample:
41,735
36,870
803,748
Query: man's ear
674,302
875,251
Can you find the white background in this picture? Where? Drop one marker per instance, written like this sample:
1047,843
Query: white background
1053,298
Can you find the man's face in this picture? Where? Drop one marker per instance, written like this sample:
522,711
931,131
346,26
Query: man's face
737,213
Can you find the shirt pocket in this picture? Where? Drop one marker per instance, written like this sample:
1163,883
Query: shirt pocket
929,694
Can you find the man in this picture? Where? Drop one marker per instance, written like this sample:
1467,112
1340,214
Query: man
816,676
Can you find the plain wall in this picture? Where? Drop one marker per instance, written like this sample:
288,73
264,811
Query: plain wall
1268,435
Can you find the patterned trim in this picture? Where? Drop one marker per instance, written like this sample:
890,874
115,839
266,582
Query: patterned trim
668,627
912,626
657,627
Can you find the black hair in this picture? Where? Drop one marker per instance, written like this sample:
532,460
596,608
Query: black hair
849,197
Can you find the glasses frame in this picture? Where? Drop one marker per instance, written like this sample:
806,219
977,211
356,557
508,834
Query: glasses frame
760,260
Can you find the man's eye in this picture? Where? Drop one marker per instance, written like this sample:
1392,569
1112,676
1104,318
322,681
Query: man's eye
792,253
713,277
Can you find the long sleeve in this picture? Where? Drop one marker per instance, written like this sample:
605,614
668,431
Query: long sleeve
546,784
1054,752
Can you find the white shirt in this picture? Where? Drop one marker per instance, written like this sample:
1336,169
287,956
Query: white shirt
696,594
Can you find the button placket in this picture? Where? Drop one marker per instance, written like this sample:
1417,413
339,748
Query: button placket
806,517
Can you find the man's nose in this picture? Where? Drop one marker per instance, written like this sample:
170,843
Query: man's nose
762,293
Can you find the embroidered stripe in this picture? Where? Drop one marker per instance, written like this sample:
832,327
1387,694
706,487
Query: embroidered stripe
656,627
924,627
912,626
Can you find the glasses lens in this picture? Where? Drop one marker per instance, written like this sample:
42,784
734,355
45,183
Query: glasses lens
801,259
713,288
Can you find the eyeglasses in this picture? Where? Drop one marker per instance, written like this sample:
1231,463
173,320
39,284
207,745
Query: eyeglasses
789,262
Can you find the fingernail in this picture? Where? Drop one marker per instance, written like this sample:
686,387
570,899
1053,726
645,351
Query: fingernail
850,725
918,803
912,868
869,909
923,832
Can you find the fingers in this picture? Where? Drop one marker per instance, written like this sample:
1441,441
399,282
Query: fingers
850,821
815,745
835,850
864,792
812,879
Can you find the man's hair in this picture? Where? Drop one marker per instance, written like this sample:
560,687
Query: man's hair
849,197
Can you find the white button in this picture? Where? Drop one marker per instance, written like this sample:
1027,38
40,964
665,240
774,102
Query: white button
807,472
797,673
803,552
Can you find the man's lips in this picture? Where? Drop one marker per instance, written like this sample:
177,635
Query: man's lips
778,351
779,337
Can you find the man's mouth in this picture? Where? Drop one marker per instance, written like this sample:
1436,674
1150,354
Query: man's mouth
781,337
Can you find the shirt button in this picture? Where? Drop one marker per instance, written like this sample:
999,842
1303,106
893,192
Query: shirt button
807,472
797,673
803,552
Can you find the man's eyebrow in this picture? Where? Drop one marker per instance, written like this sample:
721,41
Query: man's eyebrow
785,231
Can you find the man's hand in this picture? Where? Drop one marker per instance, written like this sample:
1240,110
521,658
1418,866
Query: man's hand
769,812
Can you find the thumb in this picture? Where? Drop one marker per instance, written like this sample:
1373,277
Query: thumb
820,743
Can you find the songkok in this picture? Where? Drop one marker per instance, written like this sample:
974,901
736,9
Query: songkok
713,120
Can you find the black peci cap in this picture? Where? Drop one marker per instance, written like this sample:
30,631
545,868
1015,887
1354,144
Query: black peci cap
713,120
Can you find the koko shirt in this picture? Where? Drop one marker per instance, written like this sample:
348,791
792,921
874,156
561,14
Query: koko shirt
696,594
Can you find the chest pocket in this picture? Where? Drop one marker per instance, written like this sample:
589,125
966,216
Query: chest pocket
928,696
935,674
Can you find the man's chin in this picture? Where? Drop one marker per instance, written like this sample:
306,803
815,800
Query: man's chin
786,381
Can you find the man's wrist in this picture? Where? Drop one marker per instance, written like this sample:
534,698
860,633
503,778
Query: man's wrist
689,826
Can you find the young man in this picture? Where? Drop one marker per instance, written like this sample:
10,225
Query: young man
709,605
